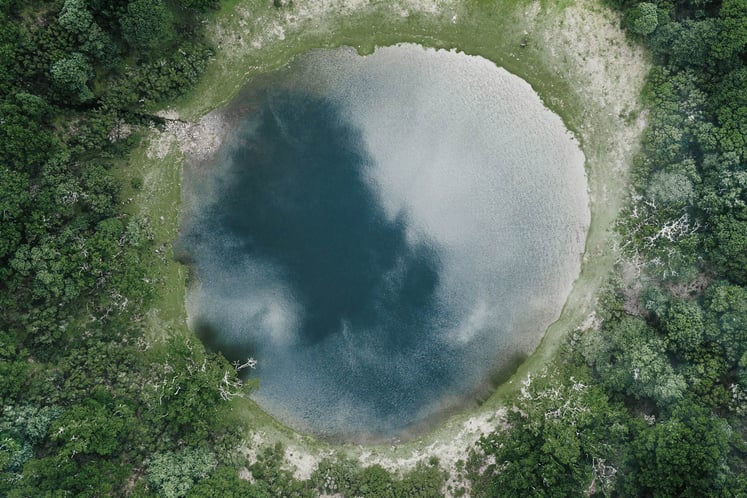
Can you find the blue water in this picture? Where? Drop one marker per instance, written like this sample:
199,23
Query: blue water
377,272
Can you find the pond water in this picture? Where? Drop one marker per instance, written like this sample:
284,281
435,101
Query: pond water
382,234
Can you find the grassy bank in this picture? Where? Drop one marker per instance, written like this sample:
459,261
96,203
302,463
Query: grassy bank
570,52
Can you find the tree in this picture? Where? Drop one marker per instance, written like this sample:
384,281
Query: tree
225,482
14,200
26,141
174,473
671,190
75,17
682,456
64,476
559,431
147,25
426,480
642,19
70,257
733,29
21,429
201,5
93,427
726,319
631,359
185,393
13,375
683,324
70,76
686,44
269,469
729,103
729,249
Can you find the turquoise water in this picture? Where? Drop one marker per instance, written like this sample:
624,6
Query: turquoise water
382,233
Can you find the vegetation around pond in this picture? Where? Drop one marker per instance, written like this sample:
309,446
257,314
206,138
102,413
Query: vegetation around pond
648,401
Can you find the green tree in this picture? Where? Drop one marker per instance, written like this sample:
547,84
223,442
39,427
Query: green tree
684,327
201,5
560,429
225,482
732,38
277,480
631,359
174,473
75,17
147,25
686,44
729,103
55,476
729,249
726,319
13,375
426,480
14,201
682,456
26,141
671,190
31,423
93,427
642,19
707,372
71,74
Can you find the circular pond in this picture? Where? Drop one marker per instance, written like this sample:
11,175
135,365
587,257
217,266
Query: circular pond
382,234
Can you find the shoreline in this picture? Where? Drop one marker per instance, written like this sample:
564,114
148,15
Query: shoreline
563,167
576,45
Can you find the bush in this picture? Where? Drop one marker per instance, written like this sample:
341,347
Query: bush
147,25
71,74
643,19
174,473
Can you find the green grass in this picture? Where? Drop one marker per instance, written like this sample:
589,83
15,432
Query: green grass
158,199
493,30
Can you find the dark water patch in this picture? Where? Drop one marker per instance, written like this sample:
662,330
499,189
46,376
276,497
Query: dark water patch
383,236
505,370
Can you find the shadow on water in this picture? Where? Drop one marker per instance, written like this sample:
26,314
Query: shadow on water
508,366
215,341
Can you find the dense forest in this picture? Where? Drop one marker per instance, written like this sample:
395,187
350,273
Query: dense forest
649,401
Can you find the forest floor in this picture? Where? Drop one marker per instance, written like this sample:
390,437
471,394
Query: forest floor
572,53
